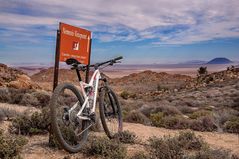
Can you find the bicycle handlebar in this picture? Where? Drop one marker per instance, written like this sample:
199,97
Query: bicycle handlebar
111,62
118,58
97,65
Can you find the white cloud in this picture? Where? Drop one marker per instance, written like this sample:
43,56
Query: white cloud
129,20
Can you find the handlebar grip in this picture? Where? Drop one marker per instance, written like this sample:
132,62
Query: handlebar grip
118,58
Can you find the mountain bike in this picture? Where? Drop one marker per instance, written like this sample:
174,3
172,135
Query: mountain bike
73,110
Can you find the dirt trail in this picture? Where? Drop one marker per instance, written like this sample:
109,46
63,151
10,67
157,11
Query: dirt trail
37,147
215,139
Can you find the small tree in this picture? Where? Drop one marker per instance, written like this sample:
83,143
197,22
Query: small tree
202,71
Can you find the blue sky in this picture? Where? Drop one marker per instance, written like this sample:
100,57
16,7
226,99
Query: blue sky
143,31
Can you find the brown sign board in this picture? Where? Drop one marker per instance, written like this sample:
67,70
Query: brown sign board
74,43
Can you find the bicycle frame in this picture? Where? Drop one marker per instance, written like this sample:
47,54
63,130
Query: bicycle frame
92,95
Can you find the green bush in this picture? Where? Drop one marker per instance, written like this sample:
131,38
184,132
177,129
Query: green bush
139,155
162,148
185,146
105,148
202,71
43,98
175,122
137,117
166,110
125,95
205,123
157,119
37,123
198,114
126,137
16,95
10,146
7,113
232,125
24,97
4,95
189,141
28,100
208,153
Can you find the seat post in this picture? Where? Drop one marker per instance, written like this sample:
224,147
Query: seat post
78,74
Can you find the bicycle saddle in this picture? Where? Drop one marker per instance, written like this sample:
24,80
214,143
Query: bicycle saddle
72,61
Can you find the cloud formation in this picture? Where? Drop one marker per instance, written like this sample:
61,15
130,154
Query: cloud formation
161,21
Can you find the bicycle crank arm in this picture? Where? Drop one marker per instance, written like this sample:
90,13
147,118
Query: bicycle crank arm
83,117
84,130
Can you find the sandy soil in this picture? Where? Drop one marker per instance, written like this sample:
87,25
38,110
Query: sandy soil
37,147
215,139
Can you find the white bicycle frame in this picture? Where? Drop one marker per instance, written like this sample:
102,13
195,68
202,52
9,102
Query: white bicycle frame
92,95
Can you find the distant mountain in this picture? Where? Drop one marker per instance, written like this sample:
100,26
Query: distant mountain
220,60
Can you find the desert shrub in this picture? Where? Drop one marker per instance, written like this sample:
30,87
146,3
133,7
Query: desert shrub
97,125
178,148
67,133
175,122
28,100
202,71
16,95
139,155
36,123
199,114
232,125
162,88
157,119
235,103
125,95
136,117
2,116
10,146
169,122
126,137
42,97
147,110
162,148
205,123
4,95
7,113
185,109
24,97
189,141
166,110
224,115
105,148
208,153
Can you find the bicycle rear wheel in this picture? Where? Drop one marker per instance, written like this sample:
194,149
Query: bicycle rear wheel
110,112
70,132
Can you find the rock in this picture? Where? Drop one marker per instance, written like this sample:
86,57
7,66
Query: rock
11,77
23,82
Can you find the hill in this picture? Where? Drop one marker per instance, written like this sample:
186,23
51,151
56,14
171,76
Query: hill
11,77
150,81
220,60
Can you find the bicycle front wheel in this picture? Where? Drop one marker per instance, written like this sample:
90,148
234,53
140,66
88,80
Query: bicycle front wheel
110,112
69,130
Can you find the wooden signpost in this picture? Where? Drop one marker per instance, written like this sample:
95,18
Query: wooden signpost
72,42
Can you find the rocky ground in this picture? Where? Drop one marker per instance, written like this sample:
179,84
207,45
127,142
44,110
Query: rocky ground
37,147
208,104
